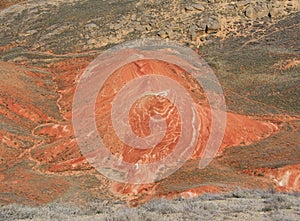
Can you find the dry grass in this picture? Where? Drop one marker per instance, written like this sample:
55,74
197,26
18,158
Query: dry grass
238,205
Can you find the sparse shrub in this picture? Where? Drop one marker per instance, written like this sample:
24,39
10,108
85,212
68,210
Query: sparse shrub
162,206
211,196
277,202
189,206
98,206
13,212
231,206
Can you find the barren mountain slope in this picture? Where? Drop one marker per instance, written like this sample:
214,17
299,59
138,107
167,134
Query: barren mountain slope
45,46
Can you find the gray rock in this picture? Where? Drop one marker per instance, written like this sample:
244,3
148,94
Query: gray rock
162,34
19,59
251,12
92,41
133,17
118,26
209,23
193,28
198,6
257,11
276,12
91,26
189,8
213,24
31,32
193,36
139,27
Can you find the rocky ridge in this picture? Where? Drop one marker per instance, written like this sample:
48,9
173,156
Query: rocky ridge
80,28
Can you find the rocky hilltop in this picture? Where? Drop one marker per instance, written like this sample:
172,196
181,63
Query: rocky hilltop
252,46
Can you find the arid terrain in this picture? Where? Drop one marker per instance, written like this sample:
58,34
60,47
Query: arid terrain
253,47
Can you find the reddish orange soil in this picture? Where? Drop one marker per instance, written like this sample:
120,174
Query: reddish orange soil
197,191
244,130
286,178
240,130
38,148
7,3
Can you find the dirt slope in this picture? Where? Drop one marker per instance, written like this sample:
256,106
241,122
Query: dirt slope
45,46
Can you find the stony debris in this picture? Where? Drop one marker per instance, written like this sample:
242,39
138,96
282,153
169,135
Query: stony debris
181,21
